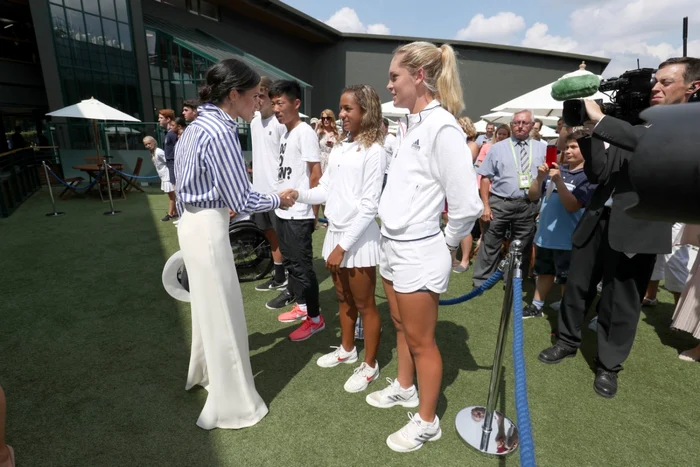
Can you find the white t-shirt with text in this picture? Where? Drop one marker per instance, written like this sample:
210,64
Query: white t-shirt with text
297,148
266,134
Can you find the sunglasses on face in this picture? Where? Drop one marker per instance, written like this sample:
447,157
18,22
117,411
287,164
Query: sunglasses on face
325,118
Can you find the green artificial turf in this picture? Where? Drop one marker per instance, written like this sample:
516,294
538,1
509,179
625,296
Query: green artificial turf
94,354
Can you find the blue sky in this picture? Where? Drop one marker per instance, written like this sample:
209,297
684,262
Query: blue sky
623,30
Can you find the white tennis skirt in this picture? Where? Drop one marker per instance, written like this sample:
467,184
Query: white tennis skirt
363,254
166,186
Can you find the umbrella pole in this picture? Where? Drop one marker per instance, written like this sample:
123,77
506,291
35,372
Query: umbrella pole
97,142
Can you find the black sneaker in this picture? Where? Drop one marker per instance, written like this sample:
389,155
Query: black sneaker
531,311
283,300
166,218
272,284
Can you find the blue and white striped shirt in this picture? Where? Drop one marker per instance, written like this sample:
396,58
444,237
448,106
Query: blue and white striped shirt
210,169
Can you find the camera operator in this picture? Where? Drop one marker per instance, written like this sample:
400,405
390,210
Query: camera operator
610,244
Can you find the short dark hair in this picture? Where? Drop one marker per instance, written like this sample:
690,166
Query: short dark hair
224,77
287,88
385,121
537,120
180,121
692,67
190,104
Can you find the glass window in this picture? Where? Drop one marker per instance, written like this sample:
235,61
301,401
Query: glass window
122,11
57,2
208,10
91,6
73,4
76,27
94,29
200,67
190,90
163,56
125,36
175,60
59,21
187,67
151,42
107,9
110,33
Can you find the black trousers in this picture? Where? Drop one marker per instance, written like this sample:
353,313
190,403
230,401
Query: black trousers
518,215
171,170
296,245
625,280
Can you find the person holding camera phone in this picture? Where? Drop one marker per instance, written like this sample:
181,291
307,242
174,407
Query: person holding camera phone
610,244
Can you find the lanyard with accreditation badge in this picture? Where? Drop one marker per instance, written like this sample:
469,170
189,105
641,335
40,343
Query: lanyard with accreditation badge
523,178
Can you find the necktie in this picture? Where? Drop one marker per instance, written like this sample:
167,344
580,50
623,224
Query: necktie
524,159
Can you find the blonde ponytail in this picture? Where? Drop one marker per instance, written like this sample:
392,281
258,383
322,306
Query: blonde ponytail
449,87
441,76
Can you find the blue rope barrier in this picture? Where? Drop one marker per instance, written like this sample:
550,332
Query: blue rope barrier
490,282
522,409
150,177
76,188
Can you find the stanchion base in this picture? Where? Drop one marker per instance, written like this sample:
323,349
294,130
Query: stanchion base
111,213
55,214
504,437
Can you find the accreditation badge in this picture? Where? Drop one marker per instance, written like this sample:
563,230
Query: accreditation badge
524,181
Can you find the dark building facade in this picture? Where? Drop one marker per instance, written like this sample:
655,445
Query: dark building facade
142,55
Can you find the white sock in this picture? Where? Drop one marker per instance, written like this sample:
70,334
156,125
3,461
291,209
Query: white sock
538,304
302,307
316,319
343,348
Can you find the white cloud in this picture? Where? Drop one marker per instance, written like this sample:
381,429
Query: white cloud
346,20
380,28
537,38
500,28
627,30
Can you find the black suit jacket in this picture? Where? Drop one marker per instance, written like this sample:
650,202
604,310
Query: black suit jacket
610,170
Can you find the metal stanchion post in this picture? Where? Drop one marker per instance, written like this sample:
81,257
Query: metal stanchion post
109,190
53,201
475,424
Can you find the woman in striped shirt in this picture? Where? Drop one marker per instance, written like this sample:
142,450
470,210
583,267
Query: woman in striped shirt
212,179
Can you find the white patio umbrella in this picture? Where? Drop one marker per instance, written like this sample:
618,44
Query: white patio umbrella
388,110
481,126
547,132
541,102
94,110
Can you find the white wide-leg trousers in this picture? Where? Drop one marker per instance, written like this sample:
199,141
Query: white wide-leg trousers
220,360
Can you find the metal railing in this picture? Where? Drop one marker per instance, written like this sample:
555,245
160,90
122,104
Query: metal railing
20,175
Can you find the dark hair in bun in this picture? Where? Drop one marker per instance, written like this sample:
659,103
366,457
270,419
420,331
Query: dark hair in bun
224,77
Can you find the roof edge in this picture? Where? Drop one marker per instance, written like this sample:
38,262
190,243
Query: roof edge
481,45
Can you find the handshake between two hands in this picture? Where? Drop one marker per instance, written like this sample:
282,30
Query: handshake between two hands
288,198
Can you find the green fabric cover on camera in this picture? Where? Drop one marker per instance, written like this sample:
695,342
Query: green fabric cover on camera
575,87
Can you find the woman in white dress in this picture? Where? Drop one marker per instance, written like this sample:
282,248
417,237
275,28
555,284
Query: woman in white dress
211,180
158,158
350,187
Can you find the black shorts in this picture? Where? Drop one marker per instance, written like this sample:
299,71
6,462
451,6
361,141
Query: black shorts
264,220
550,262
